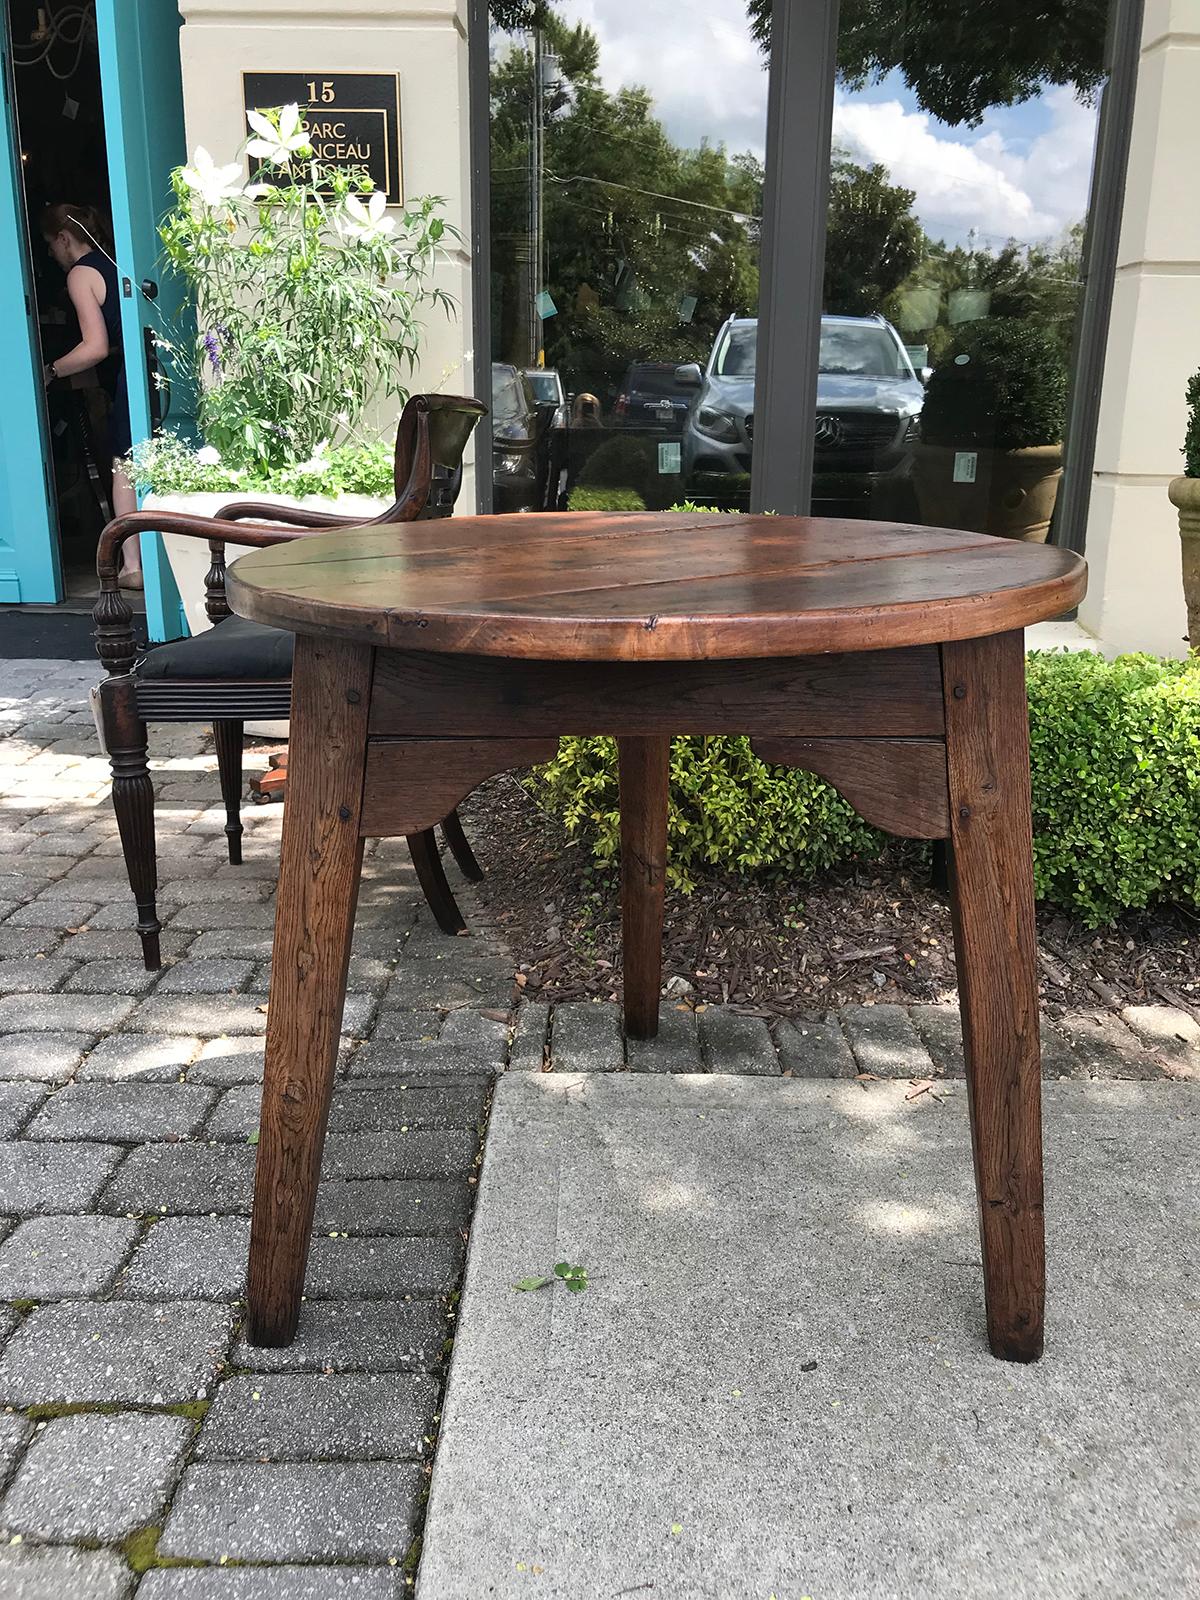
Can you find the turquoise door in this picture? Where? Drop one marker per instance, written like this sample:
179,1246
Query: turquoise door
29,568
143,123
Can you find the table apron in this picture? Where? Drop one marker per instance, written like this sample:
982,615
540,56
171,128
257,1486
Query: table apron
899,785
875,694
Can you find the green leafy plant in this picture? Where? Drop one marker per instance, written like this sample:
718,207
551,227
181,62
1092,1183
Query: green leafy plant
1002,384
725,806
1115,752
574,1279
621,464
1191,438
582,499
306,293
169,464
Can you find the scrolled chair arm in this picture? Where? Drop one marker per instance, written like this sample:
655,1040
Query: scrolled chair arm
297,516
112,613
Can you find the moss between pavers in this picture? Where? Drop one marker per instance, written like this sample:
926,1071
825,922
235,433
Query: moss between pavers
140,1550
195,1410
74,1408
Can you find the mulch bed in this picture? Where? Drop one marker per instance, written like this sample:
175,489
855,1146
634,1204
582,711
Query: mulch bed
875,931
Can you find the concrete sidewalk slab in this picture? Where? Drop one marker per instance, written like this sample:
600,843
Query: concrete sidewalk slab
778,1384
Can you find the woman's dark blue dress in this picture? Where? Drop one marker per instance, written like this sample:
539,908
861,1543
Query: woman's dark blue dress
111,370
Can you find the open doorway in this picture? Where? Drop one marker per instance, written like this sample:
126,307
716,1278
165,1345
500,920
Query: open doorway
60,127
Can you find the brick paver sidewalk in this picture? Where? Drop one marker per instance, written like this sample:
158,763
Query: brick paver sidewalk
139,1434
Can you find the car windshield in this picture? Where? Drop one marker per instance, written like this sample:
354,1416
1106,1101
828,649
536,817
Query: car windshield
735,359
860,351
507,401
544,385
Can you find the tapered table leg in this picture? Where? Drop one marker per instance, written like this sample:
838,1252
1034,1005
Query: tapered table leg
991,886
644,765
314,924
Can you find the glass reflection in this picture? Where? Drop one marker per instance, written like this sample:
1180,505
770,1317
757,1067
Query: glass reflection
959,184
627,143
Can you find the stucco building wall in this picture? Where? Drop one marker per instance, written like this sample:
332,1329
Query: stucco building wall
1135,598
425,43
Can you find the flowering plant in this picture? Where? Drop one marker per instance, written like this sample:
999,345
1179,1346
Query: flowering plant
169,464
306,292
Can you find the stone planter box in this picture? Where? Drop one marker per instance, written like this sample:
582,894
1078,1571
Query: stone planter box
190,559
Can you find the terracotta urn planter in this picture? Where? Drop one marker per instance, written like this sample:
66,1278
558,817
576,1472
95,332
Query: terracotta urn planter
190,559
1013,494
1185,497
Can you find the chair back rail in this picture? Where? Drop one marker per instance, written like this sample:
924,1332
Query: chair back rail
431,437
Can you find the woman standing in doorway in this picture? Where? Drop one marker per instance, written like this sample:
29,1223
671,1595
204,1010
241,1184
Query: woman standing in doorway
77,239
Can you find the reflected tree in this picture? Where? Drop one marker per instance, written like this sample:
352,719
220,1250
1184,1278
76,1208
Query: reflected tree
959,60
874,241
648,245
1036,284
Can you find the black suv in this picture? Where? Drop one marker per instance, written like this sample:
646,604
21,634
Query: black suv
651,396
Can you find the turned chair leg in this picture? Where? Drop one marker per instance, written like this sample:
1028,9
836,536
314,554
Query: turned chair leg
133,802
995,950
644,774
228,738
460,847
431,875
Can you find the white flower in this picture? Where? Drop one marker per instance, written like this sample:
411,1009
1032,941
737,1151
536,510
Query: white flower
212,183
316,462
278,143
365,222
208,456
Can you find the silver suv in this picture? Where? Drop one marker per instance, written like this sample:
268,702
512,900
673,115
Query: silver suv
869,403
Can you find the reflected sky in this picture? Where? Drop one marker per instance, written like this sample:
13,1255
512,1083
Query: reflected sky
1023,174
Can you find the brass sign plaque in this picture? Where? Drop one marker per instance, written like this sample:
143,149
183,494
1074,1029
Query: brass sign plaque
353,118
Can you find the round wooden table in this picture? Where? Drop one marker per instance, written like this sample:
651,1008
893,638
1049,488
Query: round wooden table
887,658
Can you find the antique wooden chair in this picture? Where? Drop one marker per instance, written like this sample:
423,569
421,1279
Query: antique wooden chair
240,671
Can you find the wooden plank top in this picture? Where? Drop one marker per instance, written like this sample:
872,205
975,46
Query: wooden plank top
653,586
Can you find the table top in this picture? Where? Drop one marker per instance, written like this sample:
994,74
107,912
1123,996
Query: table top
652,586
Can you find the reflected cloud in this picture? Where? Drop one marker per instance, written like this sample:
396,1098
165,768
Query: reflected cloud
978,179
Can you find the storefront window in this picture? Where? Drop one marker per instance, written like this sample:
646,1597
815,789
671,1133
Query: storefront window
962,152
627,148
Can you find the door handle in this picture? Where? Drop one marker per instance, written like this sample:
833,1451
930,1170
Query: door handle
149,289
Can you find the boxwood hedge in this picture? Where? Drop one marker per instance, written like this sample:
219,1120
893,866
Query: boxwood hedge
1115,749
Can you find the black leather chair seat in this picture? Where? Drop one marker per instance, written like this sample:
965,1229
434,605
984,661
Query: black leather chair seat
235,648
